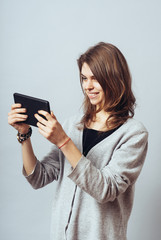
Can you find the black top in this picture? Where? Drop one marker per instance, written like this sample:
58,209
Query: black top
91,137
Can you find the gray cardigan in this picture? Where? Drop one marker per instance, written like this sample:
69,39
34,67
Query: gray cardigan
93,201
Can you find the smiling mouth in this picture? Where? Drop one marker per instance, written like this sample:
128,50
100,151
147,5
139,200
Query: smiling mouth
92,95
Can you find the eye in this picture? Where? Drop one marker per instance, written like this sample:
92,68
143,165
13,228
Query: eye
93,78
83,78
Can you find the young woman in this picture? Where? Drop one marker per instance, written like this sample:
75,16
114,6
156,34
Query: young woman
96,158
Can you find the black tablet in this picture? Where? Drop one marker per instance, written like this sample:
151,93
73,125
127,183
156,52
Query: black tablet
33,105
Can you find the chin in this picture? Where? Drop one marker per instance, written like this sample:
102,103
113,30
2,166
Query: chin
95,103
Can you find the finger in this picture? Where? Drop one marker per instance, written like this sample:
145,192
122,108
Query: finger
20,116
41,119
14,116
42,127
53,116
16,105
45,131
41,130
16,119
17,110
45,114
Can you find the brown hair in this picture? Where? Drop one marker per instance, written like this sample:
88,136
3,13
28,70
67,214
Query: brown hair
110,68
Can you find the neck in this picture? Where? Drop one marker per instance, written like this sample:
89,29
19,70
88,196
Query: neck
102,116
99,123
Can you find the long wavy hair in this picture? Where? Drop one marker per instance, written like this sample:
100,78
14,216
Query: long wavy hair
110,68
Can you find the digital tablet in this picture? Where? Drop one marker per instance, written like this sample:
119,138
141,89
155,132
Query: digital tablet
33,105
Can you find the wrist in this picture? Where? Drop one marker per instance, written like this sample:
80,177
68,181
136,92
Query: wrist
23,137
24,131
65,142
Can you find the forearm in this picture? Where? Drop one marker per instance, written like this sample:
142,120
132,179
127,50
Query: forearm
29,160
72,153
53,131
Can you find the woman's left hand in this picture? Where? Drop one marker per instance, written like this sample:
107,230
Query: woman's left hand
50,128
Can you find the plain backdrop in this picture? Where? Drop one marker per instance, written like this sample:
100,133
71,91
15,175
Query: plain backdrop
40,41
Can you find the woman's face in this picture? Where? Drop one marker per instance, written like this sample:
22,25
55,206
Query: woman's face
91,86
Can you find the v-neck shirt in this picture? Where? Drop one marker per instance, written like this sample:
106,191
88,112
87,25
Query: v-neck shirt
91,137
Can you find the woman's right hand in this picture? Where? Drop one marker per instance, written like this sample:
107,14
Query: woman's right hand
16,117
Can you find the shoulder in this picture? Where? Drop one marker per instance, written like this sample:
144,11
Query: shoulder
132,130
133,125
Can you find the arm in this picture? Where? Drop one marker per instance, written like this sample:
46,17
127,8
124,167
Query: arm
45,171
38,174
53,131
15,118
108,183
29,159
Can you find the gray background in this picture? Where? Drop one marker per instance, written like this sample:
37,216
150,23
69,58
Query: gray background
39,44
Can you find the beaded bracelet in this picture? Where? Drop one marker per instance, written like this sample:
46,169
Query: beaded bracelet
23,137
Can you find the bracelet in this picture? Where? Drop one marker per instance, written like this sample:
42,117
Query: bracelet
23,137
65,142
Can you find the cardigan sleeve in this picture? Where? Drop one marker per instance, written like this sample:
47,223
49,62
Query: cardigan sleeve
48,169
113,179
45,171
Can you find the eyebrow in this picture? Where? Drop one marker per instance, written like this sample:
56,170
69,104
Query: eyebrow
82,75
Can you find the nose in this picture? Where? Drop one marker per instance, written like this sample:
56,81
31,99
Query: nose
88,84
